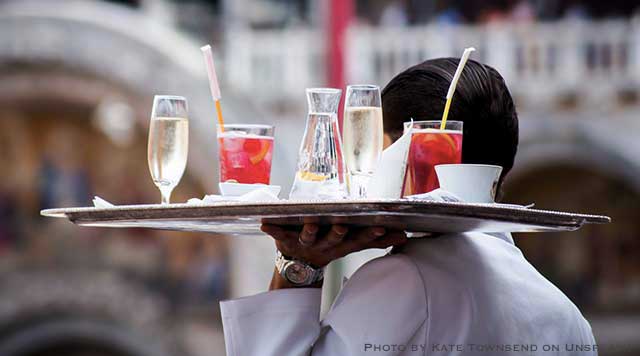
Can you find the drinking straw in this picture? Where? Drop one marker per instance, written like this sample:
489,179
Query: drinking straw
454,82
213,82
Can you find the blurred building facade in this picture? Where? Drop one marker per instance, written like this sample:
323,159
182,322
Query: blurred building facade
76,87
76,83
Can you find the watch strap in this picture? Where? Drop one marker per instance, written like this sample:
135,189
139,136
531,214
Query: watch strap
282,261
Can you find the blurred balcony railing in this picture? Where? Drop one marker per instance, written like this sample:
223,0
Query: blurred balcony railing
274,64
588,61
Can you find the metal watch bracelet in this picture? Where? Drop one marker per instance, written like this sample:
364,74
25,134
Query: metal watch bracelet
297,272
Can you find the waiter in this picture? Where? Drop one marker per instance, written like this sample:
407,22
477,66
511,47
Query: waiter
455,294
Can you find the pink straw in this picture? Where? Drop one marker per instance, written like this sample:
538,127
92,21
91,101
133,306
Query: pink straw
213,82
211,72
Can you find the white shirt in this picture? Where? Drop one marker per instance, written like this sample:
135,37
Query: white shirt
467,294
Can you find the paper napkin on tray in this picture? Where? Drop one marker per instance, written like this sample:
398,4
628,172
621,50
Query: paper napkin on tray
257,195
101,203
436,195
446,196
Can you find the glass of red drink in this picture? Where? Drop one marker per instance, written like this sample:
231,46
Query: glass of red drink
245,153
430,146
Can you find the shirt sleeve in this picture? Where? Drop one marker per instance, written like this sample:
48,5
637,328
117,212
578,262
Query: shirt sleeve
275,323
384,303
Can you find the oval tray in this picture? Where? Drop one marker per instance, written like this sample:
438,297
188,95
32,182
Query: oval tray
409,215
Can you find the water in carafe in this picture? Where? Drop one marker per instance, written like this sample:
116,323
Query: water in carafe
320,169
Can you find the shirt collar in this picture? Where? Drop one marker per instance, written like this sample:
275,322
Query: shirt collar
505,236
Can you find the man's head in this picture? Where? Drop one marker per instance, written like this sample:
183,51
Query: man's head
482,101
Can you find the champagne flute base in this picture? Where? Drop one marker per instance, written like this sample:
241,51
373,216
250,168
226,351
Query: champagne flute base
358,185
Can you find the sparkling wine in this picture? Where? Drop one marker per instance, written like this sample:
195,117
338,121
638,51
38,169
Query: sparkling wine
167,150
362,138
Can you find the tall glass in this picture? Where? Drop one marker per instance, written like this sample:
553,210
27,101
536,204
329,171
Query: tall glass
362,136
320,171
430,147
168,142
245,153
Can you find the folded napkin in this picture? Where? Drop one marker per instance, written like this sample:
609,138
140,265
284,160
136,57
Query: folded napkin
446,196
101,203
436,195
388,179
258,195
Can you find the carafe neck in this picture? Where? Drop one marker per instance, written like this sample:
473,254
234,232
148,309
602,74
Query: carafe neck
323,100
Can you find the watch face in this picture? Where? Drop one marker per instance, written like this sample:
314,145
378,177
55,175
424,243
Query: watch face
296,273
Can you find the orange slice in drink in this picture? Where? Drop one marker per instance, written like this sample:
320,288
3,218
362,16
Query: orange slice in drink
439,136
255,159
449,140
310,176
256,148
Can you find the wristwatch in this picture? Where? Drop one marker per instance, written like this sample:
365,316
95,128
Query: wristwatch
296,272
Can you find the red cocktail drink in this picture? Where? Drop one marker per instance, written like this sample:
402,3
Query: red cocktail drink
429,147
245,157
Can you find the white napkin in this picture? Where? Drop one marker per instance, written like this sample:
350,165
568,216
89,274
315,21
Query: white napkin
262,194
446,196
101,203
388,180
258,195
436,195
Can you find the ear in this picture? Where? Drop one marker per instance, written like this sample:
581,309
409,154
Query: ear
387,141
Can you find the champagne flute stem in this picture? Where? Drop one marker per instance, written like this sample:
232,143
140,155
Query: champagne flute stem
359,184
165,194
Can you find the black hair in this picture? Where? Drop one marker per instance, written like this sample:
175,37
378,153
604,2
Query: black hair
481,101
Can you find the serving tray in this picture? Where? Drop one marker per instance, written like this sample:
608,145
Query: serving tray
409,215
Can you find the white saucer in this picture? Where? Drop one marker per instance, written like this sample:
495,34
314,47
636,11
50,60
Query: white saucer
238,189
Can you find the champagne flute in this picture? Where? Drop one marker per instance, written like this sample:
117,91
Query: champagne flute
168,143
362,136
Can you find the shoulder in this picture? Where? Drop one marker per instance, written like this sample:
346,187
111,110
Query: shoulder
385,296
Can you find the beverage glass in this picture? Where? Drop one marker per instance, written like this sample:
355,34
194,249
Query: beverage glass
429,147
362,136
245,153
168,143
320,167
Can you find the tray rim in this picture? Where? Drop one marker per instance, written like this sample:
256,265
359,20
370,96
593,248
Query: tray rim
342,206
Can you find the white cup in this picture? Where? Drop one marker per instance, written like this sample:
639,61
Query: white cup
473,183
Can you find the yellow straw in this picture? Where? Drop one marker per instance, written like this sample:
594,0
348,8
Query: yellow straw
445,114
454,83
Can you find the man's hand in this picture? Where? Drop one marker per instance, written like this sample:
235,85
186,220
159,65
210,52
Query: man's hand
319,248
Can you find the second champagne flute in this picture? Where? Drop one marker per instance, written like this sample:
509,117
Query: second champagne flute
168,143
362,136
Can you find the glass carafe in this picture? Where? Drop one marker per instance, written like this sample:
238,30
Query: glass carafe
320,169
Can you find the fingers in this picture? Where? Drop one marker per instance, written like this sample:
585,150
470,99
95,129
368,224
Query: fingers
278,233
305,237
333,237
359,240
369,234
392,238
308,234
286,239
313,245
373,237
288,248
